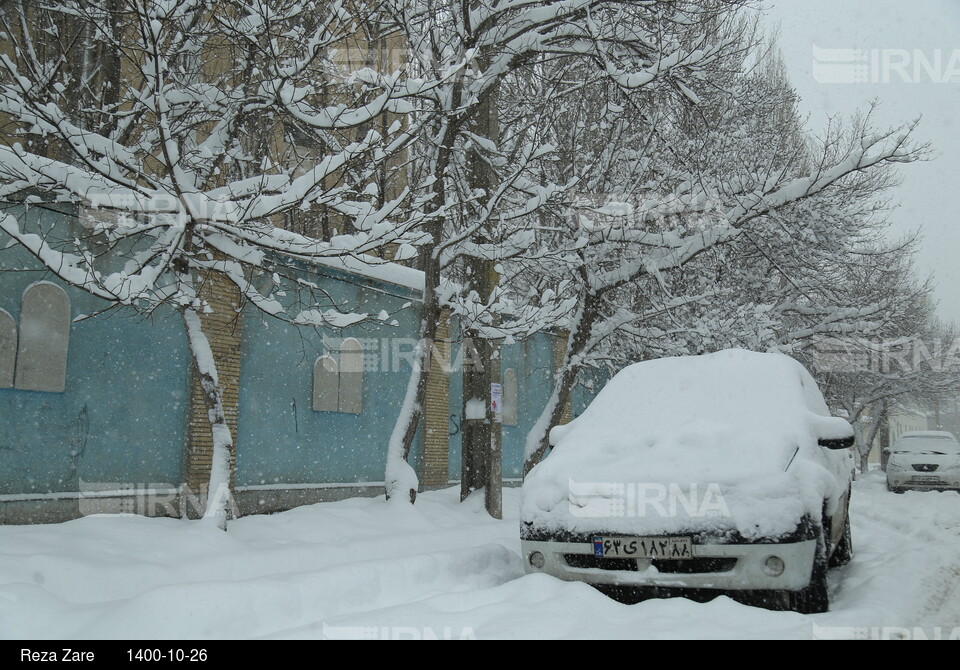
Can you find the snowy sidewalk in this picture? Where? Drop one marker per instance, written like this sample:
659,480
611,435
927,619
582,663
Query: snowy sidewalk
365,568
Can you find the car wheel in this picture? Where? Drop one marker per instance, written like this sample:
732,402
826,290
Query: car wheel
844,551
815,598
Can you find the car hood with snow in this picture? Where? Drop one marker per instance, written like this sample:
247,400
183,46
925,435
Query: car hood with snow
721,442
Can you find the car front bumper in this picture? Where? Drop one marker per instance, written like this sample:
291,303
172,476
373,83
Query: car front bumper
726,567
909,479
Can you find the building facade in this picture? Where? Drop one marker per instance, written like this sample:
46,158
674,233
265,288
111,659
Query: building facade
102,415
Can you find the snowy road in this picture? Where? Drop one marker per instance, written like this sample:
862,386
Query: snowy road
363,568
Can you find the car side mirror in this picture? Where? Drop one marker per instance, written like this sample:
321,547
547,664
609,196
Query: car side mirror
836,443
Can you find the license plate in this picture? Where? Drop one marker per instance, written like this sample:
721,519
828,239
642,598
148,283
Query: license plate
675,548
926,479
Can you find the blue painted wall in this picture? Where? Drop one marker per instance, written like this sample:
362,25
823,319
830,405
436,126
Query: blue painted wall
533,360
589,383
122,418
282,440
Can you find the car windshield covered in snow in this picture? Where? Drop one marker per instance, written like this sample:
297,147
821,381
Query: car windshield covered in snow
933,442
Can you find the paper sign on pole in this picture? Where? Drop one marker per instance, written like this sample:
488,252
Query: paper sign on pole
496,401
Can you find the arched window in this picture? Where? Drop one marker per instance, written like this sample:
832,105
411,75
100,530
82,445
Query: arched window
510,397
326,379
351,376
338,387
44,339
8,349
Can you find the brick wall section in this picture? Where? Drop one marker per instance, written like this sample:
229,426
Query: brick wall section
559,351
436,434
222,326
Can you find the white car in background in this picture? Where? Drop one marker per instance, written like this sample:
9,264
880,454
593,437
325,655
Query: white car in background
697,476
924,460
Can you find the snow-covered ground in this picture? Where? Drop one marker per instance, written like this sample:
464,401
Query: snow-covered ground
365,568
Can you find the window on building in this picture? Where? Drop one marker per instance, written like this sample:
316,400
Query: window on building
44,339
8,349
510,397
338,386
326,381
351,376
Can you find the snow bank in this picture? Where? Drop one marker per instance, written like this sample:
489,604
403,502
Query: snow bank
363,568
133,577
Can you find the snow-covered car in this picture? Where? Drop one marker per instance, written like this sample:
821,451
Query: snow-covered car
696,476
925,460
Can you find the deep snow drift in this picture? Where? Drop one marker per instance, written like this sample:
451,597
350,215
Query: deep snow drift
364,568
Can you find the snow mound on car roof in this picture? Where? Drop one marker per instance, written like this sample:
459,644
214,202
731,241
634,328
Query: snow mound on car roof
728,422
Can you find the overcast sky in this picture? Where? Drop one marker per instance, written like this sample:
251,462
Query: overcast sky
892,37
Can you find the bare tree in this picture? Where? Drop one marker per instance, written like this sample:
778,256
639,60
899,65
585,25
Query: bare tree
483,168
686,246
914,361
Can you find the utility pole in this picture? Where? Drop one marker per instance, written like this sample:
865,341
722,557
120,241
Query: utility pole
482,437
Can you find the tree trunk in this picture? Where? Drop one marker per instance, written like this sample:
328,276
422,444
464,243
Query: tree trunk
538,439
474,424
401,480
216,508
884,434
866,447
483,436
493,496
482,442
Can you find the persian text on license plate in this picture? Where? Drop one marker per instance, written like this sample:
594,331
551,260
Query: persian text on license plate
926,479
675,548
